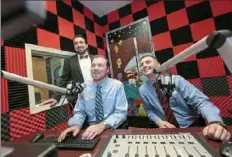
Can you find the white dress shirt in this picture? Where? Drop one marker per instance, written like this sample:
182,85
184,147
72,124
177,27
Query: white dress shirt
85,65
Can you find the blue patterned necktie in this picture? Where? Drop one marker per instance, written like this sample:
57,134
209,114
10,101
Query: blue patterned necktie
98,105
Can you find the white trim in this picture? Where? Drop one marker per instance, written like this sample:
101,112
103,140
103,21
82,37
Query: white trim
41,51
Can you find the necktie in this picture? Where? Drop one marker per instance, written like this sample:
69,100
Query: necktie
98,105
84,56
166,108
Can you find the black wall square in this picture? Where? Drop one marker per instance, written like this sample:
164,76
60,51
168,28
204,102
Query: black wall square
159,26
124,11
188,70
114,25
56,116
150,2
5,127
215,86
29,36
18,95
79,30
50,24
171,6
181,35
3,63
227,120
209,52
223,21
100,43
199,12
89,24
140,14
66,44
92,50
164,55
64,11
78,6
97,19
104,20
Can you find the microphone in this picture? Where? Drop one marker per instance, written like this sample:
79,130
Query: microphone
75,88
167,85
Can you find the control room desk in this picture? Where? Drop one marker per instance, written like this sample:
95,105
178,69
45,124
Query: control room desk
76,153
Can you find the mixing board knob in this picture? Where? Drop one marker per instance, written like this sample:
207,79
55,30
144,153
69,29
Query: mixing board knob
115,141
146,155
136,155
123,136
127,155
116,136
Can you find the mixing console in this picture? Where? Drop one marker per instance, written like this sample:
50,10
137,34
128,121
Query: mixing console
155,145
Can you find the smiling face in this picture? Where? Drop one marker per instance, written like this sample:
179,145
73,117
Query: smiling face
147,65
80,45
99,69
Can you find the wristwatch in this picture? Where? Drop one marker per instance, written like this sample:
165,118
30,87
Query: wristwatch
219,123
106,124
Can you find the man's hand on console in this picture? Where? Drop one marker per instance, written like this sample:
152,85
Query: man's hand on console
49,101
93,130
75,129
216,132
164,124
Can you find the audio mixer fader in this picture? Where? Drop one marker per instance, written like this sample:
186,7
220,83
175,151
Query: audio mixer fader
156,145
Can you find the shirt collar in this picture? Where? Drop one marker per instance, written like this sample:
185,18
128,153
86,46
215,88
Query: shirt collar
102,82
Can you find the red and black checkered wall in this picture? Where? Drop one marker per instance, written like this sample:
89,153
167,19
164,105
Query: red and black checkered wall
174,27
64,20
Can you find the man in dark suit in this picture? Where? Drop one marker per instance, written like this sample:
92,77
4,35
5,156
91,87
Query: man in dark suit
75,68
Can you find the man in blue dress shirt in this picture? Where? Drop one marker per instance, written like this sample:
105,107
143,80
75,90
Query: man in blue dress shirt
187,103
103,103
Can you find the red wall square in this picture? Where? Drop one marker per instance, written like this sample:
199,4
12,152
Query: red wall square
221,7
91,38
66,28
88,13
4,96
178,49
16,61
113,16
196,82
98,29
105,29
177,19
224,103
69,2
156,11
211,67
48,39
162,41
22,123
190,3
51,6
137,6
173,70
126,20
101,52
78,19
202,28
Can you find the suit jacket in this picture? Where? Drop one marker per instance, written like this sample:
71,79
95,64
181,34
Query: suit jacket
71,72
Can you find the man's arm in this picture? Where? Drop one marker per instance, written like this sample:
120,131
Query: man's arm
146,105
121,108
198,100
63,79
79,113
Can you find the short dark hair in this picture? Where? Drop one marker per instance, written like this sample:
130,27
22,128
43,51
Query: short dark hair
148,55
80,36
101,56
